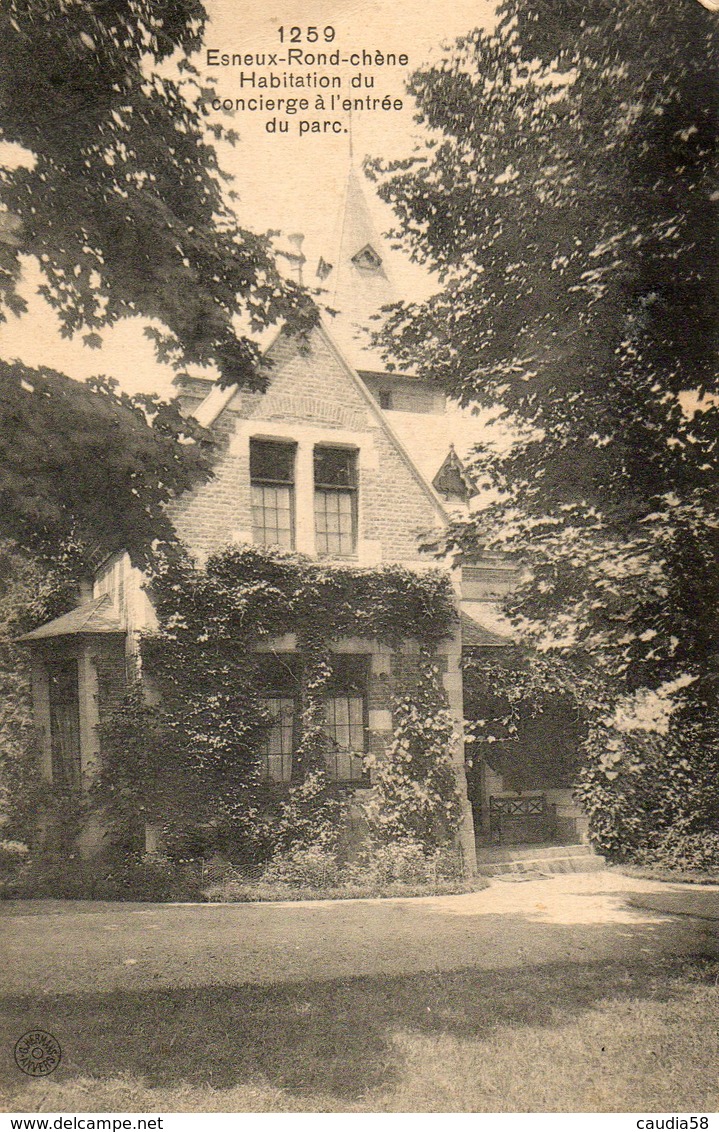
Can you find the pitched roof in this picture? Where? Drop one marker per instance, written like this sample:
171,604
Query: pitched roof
96,616
384,423
475,635
359,255
217,401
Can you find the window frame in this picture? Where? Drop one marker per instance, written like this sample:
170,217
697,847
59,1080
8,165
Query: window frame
277,677
323,490
63,677
349,681
271,483
285,757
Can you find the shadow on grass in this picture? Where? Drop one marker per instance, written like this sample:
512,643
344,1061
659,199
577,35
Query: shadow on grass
330,1037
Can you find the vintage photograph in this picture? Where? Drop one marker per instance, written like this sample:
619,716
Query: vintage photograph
359,586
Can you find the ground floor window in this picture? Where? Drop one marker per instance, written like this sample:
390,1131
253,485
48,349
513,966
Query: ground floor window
345,704
346,717
278,743
64,697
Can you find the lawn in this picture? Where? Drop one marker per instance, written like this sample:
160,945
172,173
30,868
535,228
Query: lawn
547,1016
596,1037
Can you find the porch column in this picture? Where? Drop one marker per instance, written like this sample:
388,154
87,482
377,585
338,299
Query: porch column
453,686
89,716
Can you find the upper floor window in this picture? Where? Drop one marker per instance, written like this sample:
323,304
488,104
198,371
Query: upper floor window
272,474
335,501
385,398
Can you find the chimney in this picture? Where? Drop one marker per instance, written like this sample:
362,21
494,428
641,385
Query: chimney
292,252
296,256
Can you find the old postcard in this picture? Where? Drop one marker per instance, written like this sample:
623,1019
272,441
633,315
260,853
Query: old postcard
358,543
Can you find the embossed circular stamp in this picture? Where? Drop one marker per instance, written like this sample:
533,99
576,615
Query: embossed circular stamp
37,1053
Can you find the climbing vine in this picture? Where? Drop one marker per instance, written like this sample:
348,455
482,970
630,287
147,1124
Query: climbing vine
416,795
189,756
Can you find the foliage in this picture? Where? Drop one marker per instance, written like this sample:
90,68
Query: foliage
110,185
190,758
120,198
13,855
311,818
309,866
30,592
109,875
639,788
87,464
260,593
402,868
683,853
415,793
407,861
567,196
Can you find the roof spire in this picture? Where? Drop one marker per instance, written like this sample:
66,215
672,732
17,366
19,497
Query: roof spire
356,274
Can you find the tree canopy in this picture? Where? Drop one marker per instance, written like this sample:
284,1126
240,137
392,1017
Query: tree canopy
566,194
88,465
111,183
122,204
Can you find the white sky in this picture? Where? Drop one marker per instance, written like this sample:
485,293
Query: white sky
284,182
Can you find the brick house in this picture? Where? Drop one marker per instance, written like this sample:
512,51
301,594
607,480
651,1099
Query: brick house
339,460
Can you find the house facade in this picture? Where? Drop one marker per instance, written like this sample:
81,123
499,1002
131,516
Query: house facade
332,461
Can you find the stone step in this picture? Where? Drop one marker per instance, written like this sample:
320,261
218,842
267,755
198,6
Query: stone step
544,859
495,853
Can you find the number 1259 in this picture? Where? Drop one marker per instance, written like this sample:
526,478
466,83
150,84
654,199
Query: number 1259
311,35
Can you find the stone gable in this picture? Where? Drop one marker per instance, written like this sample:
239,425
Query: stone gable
312,398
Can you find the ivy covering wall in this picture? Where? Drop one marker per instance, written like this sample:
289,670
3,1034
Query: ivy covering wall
183,750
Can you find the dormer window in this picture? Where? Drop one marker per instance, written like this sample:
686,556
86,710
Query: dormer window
335,501
367,259
272,473
452,481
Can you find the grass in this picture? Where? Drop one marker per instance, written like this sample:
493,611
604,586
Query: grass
250,892
561,1036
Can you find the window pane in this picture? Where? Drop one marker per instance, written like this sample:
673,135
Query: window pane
335,467
345,722
272,462
65,723
342,711
276,749
345,716
335,524
272,516
344,767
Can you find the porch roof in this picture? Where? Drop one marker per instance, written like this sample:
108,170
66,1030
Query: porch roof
96,616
